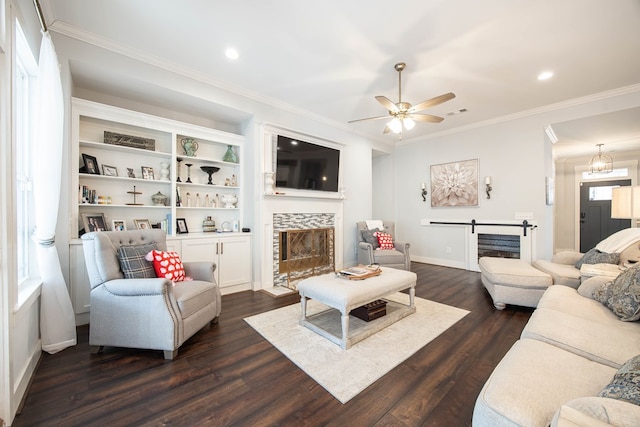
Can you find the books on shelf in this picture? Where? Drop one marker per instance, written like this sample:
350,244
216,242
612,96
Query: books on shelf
360,272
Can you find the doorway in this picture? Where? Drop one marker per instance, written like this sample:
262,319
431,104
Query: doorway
596,223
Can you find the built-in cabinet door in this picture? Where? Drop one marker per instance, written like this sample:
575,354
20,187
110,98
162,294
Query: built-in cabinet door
234,255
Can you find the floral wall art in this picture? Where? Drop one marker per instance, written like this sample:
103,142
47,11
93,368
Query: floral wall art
454,184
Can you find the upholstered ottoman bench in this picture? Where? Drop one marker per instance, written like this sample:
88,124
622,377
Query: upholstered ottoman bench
513,281
344,295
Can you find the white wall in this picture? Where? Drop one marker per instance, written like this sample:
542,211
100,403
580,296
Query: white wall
517,157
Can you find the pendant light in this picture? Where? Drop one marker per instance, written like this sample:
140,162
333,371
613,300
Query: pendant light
601,163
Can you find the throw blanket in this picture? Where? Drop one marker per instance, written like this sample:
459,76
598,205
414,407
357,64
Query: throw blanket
374,223
619,241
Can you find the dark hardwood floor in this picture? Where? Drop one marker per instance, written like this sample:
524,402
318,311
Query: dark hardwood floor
227,374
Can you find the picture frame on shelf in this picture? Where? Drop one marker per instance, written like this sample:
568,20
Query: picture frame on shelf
94,222
181,226
142,224
109,170
90,164
118,225
131,173
147,173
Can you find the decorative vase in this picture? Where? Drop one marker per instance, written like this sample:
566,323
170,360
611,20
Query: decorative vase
190,146
230,155
164,171
159,199
229,200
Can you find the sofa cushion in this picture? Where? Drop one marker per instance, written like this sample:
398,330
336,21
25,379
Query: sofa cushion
563,274
167,265
389,256
626,383
513,272
369,237
133,263
532,381
194,296
598,340
596,412
594,256
622,295
385,240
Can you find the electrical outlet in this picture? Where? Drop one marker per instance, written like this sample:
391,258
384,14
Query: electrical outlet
448,249
524,215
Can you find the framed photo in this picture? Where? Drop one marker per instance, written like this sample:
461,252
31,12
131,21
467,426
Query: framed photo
147,172
454,184
142,224
109,170
181,225
94,222
90,164
118,225
131,173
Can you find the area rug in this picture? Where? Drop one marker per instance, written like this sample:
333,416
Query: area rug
345,373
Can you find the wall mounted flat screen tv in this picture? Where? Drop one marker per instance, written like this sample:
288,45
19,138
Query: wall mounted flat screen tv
305,166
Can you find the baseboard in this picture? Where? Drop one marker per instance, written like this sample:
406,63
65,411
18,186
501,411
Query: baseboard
442,262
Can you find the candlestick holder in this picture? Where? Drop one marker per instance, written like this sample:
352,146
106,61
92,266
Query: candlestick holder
188,165
178,170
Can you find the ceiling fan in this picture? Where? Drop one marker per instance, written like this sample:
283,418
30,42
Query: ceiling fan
403,114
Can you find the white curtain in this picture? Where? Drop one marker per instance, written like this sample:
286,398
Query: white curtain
57,322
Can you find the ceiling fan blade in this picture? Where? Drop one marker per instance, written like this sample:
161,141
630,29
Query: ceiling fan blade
432,102
387,103
426,118
368,118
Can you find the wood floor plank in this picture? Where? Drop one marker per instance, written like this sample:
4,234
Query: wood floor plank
227,374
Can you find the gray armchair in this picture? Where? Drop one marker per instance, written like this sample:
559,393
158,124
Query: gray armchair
394,258
149,313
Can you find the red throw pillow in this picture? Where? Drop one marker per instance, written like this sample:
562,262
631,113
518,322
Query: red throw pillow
167,265
384,240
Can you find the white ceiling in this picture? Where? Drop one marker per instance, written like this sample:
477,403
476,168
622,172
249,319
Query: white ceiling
330,58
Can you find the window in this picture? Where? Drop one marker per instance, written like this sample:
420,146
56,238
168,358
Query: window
617,173
601,193
25,77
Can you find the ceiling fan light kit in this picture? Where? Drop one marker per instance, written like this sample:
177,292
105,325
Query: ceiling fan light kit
403,114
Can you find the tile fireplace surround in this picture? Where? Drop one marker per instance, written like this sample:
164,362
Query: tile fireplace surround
294,221
296,213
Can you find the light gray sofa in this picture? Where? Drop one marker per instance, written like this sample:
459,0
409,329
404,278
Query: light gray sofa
399,257
562,266
567,353
147,313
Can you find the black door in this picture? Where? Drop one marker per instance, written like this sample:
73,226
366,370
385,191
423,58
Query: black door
595,212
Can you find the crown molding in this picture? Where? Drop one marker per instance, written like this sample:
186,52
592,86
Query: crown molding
532,112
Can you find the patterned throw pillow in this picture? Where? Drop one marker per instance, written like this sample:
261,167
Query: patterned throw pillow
385,240
622,295
594,256
167,265
369,237
626,383
133,263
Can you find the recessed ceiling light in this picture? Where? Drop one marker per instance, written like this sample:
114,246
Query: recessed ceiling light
545,75
231,53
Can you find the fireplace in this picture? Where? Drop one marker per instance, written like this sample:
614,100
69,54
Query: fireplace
305,253
498,245
303,246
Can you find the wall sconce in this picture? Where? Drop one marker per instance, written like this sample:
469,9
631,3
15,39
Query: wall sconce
487,182
424,192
